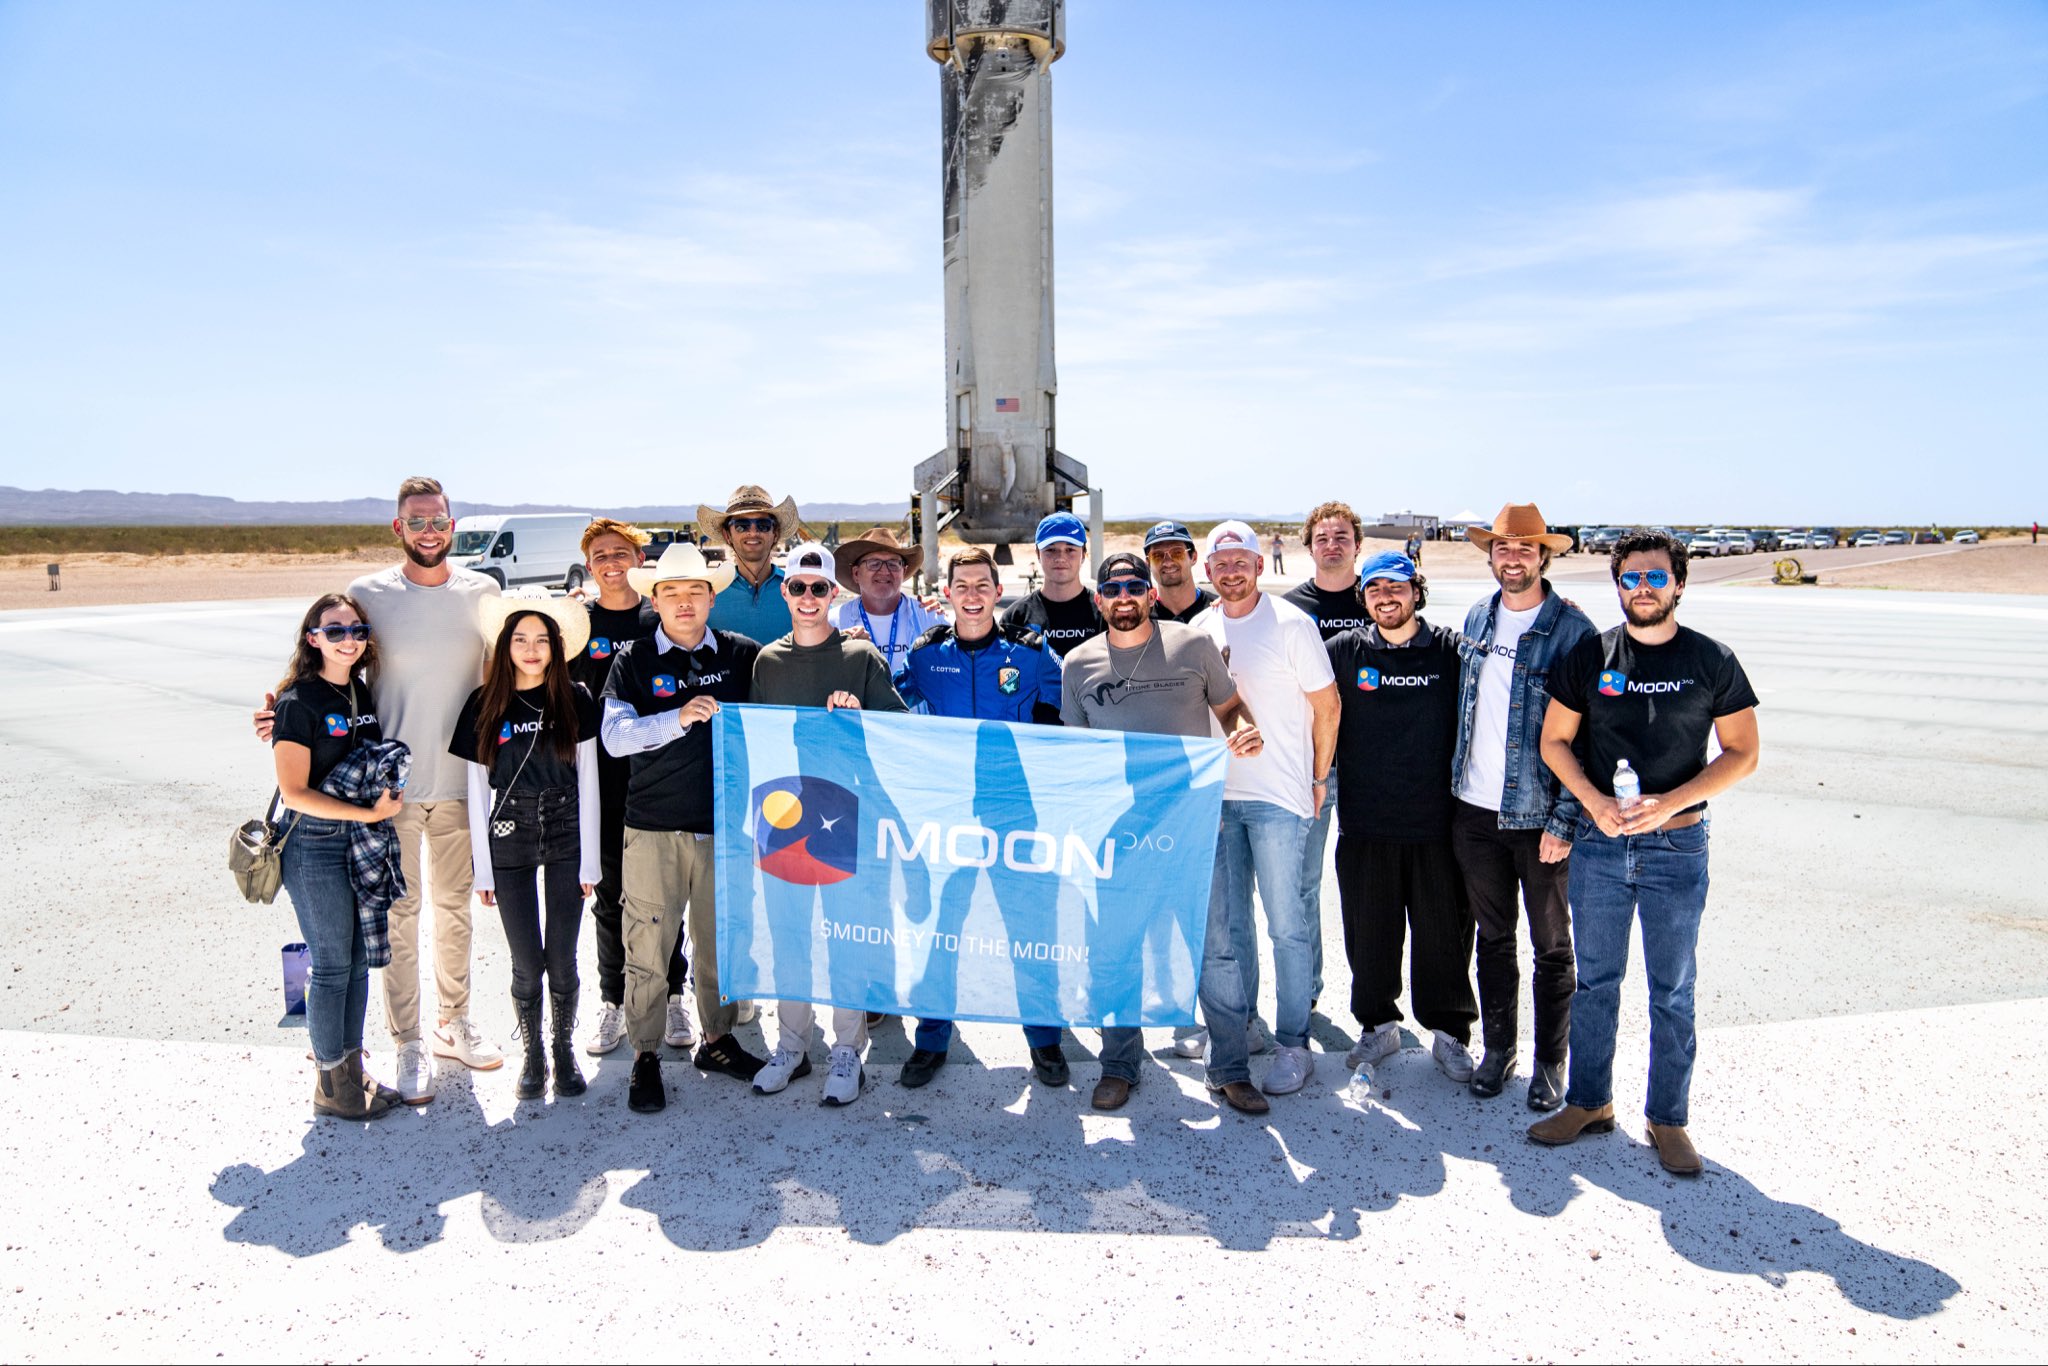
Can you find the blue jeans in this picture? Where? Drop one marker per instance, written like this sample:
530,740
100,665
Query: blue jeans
1312,850
1660,878
936,1036
1258,843
338,989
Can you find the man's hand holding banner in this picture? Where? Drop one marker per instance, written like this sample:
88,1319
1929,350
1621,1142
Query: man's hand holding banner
963,870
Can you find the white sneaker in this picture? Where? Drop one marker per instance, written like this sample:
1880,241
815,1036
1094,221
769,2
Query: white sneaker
1191,1045
1292,1067
466,1044
747,1012
784,1066
843,1082
415,1080
1453,1059
1376,1046
679,1034
1255,1037
611,1030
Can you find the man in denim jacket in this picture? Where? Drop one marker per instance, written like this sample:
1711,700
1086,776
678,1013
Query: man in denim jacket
1512,825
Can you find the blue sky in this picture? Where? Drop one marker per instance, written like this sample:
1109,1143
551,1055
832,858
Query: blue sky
1683,263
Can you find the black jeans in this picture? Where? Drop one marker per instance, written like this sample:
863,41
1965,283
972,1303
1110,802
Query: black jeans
608,905
539,859
1387,889
1497,864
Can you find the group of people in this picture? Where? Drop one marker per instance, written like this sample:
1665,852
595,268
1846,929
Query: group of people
538,753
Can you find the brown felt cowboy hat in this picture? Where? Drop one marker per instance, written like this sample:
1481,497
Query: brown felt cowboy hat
881,540
748,500
1519,522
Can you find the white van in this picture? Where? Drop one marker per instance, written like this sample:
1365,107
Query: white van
523,547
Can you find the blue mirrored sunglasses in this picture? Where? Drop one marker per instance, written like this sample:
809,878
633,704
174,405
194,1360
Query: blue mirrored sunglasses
1633,579
1124,588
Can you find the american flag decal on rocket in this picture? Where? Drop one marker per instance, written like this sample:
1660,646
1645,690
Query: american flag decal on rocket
1006,405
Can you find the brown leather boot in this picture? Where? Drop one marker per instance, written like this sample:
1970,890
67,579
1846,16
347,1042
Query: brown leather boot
1567,1124
378,1099
338,1092
1111,1093
1243,1097
1675,1150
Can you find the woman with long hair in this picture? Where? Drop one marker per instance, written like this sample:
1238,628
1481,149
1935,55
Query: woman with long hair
324,710
529,735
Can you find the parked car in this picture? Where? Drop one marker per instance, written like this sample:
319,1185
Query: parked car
1823,538
1967,538
1868,538
1763,538
1897,538
1601,540
523,547
1737,541
1929,537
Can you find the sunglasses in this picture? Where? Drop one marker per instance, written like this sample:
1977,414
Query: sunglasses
1635,578
334,635
1124,588
441,523
817,588
750,524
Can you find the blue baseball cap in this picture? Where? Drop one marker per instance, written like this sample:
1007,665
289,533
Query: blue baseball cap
1061,528
1166,533
1391,564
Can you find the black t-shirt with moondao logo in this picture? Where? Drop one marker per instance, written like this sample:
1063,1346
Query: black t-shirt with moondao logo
1398,729
1334,612
610,628
321,716
670,788
1063,624
1653,705
523,758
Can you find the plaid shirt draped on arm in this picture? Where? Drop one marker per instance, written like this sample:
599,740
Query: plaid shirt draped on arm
361,778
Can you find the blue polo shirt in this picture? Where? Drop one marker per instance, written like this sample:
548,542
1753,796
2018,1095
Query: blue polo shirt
760,614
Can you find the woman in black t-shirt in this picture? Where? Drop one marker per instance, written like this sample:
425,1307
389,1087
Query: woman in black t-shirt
529,736
324,710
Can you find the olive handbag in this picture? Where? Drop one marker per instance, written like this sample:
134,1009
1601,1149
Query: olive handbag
256,855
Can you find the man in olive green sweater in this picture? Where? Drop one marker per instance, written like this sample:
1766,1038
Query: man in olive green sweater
814,665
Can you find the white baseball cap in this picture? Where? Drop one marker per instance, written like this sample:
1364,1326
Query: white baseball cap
1232,535
810,560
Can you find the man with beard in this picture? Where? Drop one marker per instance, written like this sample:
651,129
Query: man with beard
1640,701
1512,825
1330,597
1170,551
1277,660
1395,870
1061,610
751,525
619,616
423,614
1167,679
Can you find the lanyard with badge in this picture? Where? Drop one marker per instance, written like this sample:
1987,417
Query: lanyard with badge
895,625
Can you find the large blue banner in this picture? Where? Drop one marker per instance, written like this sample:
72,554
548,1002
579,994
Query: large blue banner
963,870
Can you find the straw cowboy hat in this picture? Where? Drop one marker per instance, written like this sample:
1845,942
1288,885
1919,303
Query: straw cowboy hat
746,500
681,561
1519,522
874,541
571,618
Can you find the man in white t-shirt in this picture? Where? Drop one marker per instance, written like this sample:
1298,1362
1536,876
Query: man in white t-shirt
1512,824
874,567
1275,656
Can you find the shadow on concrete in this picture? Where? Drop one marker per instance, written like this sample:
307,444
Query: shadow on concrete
989,1149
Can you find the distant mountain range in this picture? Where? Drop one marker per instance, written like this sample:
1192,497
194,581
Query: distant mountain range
106,507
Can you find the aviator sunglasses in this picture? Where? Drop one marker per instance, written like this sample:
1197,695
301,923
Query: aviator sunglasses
334,635
1633,579
418,524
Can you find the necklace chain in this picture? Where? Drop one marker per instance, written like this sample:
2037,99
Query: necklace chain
1123,680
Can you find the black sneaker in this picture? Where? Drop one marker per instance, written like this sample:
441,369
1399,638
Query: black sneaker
921,1067
1546,1087
646,1095
725,1055
1050,1064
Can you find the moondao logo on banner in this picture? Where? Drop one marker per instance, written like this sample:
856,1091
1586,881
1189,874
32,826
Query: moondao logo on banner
964,870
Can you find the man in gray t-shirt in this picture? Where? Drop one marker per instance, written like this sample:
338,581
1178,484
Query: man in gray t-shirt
1165,679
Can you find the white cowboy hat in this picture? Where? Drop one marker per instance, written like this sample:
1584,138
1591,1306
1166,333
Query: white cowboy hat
572,619
681,561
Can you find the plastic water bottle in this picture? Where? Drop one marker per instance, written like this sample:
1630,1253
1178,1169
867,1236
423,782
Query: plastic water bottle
1360,1091
1628,788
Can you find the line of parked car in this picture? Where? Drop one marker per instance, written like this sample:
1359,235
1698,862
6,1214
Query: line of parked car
1721,540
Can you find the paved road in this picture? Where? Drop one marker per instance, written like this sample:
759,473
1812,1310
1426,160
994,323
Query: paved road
1873,959
1759,566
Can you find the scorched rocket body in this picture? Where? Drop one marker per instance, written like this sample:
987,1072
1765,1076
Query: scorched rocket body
1001,469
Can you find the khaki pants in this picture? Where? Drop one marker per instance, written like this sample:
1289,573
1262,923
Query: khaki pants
444,826
793,1021
662,873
